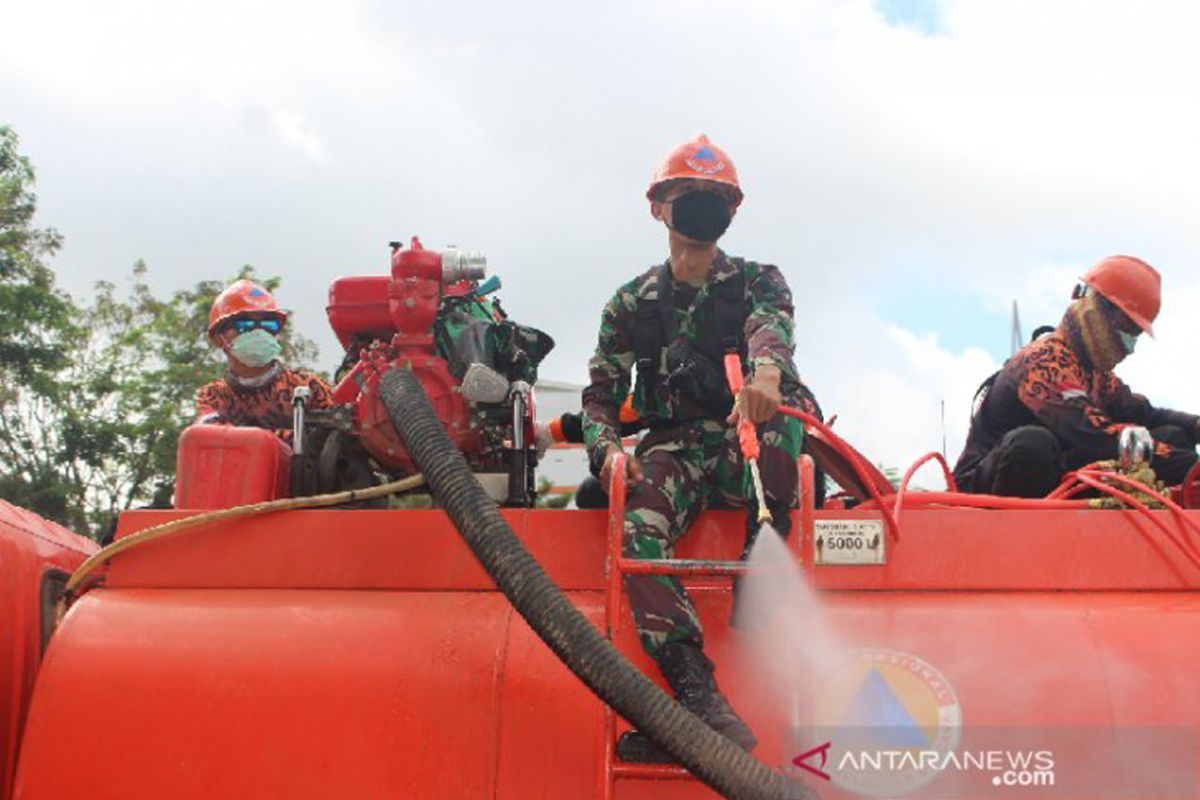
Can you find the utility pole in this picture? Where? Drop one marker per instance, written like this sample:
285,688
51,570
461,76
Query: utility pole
943,428
1018,341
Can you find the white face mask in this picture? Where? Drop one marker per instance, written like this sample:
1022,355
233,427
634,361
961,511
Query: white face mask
256,348
1128,341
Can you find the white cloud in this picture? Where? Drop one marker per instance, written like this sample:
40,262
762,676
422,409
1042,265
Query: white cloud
999,158
888,385
130,52
1161,368
292,129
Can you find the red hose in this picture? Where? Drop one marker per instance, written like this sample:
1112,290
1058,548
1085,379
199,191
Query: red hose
916,465
1188,481
855,461
1141,508
1067,490
1089,477
1176,510
1068,487
1060,498
982,501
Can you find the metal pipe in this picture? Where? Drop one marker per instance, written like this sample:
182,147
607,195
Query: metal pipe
681,567
612,609
300,397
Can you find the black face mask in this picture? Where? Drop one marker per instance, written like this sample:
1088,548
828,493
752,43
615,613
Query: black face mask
702,216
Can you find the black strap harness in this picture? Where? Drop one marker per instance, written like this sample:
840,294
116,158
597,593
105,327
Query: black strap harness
656,325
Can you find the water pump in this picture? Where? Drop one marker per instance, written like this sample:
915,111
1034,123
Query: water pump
431,315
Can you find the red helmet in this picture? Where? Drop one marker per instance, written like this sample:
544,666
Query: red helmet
242,297
697,159
1131,285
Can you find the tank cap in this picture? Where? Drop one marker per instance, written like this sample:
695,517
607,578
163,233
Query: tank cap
1135,446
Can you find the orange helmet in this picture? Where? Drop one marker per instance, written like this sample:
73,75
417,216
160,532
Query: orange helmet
1131,285
697,159
242,297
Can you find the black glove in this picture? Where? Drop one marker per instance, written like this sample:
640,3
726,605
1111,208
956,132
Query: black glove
572,427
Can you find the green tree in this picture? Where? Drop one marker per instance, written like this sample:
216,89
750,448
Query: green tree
108,425
94,395
36,314
36,321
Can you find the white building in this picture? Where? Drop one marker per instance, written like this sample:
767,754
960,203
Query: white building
564,465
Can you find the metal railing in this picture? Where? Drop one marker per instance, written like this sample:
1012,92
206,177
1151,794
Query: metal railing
617,566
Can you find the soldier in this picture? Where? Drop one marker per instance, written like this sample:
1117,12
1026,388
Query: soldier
676,321
245,322
1056,404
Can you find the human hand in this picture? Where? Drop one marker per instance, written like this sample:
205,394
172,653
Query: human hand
758,400
633,470
543,438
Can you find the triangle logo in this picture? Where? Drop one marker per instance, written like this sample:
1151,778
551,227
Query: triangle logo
876,707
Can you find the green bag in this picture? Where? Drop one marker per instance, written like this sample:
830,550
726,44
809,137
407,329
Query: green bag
470,329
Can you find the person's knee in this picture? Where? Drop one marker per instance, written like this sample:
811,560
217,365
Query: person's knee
1028,464
647,534
783,434
780,478
1031,444
779,451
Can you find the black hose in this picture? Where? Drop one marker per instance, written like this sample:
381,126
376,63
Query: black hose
707,754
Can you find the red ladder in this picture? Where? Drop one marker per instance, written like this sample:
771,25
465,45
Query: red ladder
617,566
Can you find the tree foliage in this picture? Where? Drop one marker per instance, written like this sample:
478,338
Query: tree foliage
36,314
546,499
94,395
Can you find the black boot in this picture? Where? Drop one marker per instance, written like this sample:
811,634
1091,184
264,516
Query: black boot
690,675
781,520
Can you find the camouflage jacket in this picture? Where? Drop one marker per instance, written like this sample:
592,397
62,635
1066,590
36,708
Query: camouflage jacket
769,339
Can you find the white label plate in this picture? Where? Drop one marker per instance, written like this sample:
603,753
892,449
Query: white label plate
850,541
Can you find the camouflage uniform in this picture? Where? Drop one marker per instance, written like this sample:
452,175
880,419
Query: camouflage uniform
690,458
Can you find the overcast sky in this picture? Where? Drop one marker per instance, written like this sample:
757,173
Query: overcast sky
912,167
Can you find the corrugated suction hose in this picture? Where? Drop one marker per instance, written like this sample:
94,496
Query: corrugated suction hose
614,679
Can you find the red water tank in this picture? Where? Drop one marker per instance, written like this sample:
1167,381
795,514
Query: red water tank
36,557
220,466
336,653
358,307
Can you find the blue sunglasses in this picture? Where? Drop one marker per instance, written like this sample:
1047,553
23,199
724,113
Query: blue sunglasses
245,325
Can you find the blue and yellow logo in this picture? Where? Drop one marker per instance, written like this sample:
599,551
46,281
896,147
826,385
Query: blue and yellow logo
705,161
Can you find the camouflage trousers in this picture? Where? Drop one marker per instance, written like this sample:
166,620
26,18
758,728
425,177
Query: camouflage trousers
685,469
